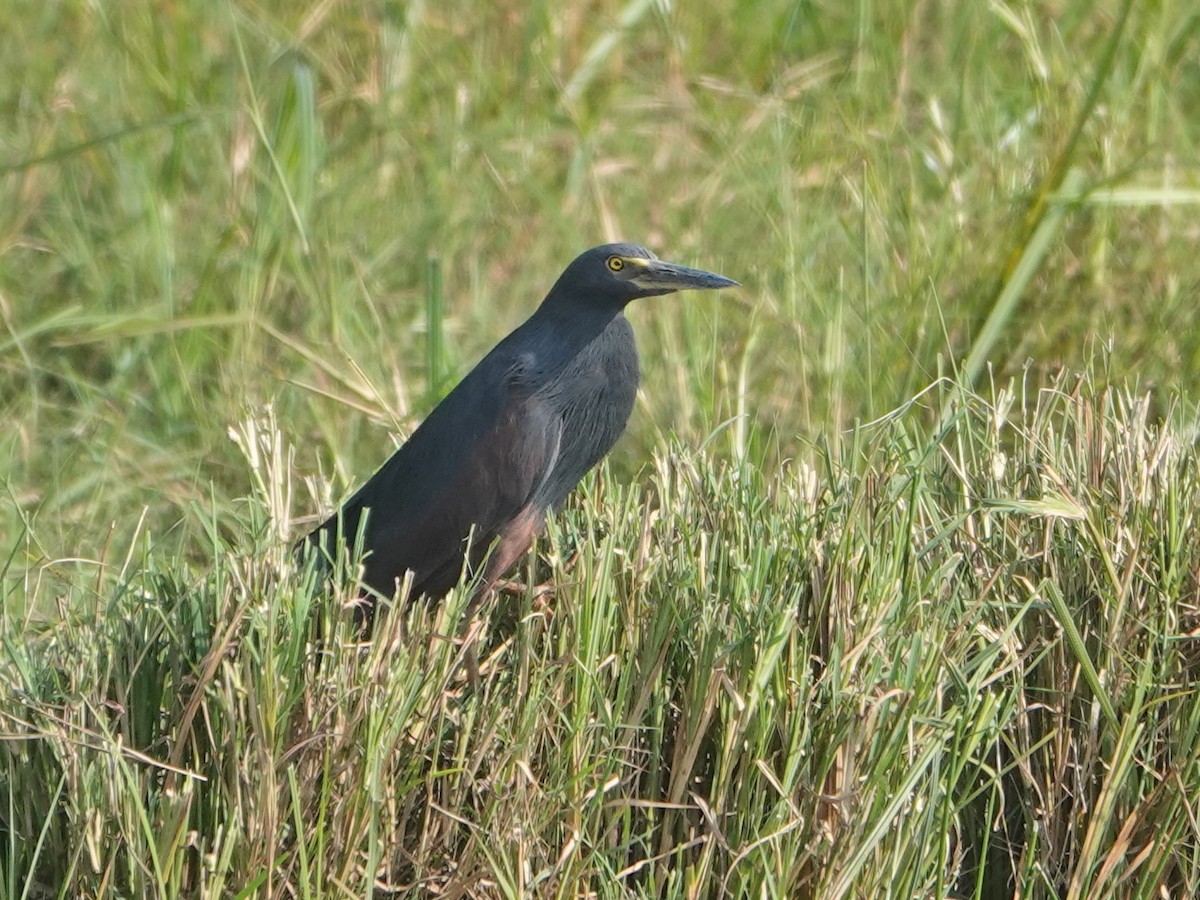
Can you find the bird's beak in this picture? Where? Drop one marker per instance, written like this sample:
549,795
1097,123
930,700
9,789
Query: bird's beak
656,275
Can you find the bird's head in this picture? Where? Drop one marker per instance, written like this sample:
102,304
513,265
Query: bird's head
619,273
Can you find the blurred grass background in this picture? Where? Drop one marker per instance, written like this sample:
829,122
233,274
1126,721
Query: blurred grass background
245,247
209,207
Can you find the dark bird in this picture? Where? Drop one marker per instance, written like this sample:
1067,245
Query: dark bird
514,438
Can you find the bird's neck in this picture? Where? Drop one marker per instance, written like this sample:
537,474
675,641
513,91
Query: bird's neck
573,325
558,332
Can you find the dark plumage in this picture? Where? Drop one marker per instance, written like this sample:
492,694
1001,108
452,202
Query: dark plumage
516,435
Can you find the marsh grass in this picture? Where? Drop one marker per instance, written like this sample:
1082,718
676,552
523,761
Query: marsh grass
963,667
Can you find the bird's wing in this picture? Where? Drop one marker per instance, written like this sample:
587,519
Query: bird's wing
466,474
498,487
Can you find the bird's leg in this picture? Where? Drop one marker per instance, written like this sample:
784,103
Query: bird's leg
514,542
470,649
541,592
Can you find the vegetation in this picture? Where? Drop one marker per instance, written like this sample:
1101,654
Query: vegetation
952,652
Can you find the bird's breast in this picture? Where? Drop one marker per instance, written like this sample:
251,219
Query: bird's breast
594,396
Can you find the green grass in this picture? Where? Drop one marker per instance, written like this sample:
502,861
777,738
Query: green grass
955,668
949,653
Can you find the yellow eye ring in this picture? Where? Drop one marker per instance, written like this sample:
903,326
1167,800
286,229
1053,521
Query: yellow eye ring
615,263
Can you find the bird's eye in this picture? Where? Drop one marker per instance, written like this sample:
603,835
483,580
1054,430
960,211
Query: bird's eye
615,263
